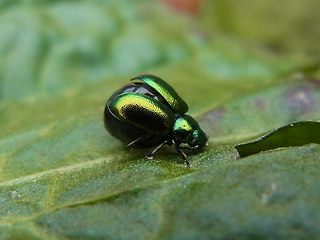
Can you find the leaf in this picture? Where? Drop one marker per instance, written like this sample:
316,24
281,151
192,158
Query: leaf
294,134
253,114
62,176
202,204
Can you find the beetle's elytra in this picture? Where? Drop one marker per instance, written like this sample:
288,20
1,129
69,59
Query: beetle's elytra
148,112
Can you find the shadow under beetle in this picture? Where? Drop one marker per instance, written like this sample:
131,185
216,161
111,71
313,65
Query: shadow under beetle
148,112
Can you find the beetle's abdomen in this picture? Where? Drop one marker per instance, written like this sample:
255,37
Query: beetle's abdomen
143,112
138,110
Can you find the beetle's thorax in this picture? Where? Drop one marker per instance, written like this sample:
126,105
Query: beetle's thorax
182,128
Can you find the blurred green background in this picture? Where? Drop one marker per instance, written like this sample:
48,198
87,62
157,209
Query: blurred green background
244,68
48,46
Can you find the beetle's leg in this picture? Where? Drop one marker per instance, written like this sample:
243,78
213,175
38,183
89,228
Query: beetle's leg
182,154
134,142
154,151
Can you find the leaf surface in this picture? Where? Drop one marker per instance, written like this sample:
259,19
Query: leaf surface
62,176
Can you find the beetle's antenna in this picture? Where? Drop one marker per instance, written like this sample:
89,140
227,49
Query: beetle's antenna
154,151
182,154
134,142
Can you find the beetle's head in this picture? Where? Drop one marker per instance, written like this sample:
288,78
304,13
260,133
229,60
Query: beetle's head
187,130
198,140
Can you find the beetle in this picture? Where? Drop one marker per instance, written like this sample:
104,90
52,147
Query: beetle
148,112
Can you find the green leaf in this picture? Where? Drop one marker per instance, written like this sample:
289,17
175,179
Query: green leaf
294,134
62,176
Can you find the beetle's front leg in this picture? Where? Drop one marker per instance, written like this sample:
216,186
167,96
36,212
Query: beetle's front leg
182,154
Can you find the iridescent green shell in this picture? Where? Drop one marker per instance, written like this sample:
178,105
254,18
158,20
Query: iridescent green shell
166,91
143,112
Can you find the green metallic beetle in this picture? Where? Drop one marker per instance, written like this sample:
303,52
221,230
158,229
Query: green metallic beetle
148,112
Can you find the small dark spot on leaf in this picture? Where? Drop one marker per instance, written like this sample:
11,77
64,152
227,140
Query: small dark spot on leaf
315,82
300,100
260,103
214,115
211,120
15,195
